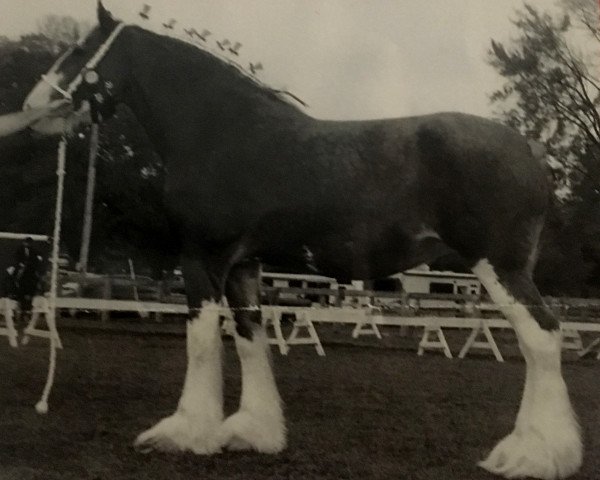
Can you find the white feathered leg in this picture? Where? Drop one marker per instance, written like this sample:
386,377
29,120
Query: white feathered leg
195,424
546,441
259,423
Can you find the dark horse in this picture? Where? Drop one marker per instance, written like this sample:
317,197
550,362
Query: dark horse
253,179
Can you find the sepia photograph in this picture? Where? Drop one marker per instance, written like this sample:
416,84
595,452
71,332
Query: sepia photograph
299,239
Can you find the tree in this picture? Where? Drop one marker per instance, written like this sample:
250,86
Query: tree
586,13
25,184
551,93
130,219
61,30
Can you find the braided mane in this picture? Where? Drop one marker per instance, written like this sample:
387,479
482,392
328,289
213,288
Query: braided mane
237,68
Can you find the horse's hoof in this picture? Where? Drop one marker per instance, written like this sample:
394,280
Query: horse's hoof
527,454
246,431
179,433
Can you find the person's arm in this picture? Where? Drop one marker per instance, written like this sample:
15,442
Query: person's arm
14,122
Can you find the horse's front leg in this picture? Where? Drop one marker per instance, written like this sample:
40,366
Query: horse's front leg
259,423
195,424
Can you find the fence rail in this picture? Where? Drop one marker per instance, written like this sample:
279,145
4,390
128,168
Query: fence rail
159,292
432,312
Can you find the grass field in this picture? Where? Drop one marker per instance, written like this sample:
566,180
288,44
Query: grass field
362,412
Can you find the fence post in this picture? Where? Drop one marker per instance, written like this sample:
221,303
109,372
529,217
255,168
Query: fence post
106,294
160,295
470,308
323,300
341,296
405,311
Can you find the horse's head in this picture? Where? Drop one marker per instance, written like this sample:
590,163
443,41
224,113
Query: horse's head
90,73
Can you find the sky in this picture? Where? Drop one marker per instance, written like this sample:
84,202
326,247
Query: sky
347,59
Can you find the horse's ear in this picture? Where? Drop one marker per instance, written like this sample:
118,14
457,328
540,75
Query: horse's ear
105,18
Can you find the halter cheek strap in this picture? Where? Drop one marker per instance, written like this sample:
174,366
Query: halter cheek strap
90,65
97,58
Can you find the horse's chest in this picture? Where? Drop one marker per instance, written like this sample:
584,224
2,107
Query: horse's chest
199,206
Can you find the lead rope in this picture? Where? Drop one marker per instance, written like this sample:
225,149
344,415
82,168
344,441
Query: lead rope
42,406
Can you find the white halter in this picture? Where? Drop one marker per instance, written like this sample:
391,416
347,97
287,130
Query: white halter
90,65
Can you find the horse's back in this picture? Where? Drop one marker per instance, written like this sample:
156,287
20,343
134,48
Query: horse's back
443,157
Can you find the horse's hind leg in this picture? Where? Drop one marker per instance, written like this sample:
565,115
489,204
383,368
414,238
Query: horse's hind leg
259,423
545,442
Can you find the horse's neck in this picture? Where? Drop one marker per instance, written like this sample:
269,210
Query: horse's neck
176,113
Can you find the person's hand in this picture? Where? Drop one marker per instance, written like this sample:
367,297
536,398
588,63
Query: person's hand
56,108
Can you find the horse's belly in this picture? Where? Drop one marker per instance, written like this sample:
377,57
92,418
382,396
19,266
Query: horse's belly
347,254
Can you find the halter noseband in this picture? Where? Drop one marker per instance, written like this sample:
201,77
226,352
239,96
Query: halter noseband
64,93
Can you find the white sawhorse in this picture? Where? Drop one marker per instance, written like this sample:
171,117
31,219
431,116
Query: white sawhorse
368,324
571,340
488,344
40,307
7,310
438,343
303,321
271,317
591,349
